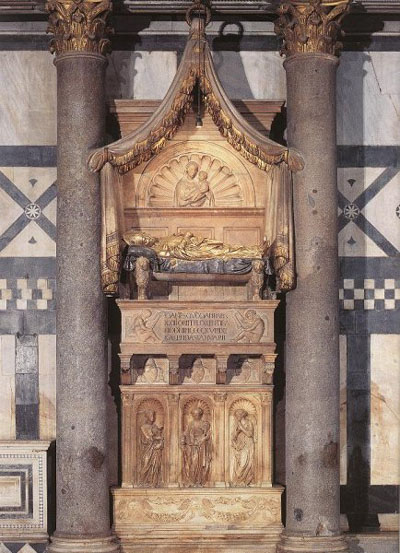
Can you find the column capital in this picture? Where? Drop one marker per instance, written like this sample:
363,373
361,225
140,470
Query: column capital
311,26
79,26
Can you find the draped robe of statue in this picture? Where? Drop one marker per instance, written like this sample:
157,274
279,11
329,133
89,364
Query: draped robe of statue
151,446
243,445
196,444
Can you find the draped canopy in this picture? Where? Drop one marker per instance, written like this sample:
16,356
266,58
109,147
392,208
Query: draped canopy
278,162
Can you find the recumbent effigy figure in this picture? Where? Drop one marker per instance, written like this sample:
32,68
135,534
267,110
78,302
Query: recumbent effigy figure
189,247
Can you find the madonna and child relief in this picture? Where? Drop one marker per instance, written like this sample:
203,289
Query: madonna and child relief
193,189
197,180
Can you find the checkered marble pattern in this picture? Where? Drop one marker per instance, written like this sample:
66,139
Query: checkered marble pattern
22,547
27,293
370,294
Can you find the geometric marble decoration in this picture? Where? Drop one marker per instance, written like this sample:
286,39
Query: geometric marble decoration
381,211
23,490
369,294
369,206
353,242
27,212
31,241
23,293
385,409
22,547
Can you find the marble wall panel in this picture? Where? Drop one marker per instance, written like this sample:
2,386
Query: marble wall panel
28,98
28,197
7,387
368,98
343,408
23,489
140,75
246,74
47,386
385,409
369,200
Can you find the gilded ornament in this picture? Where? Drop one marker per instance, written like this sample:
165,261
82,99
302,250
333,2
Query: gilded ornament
310,27
79,26
189,247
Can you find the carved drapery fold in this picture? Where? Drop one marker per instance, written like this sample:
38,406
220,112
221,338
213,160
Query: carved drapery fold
311,26
276,160
79,26
279,226
147,141
111,229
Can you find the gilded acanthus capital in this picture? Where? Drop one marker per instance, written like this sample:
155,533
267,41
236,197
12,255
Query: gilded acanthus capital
311,26
79,26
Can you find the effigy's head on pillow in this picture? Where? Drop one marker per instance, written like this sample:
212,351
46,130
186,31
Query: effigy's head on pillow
134,238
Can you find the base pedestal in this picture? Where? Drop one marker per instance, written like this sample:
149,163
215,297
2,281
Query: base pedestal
198,519
60,543
312,544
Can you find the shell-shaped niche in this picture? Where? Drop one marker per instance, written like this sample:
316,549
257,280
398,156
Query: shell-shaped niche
195,180
150,425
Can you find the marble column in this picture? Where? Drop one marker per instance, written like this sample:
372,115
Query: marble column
310,32
79,43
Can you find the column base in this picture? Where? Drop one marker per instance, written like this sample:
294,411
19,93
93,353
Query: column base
301,543
75,544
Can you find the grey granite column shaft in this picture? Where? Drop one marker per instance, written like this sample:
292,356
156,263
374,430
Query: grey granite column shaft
310,31
83,521
312,341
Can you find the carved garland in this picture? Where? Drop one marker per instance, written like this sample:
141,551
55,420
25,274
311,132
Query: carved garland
236,138
312,26
158,137
79,26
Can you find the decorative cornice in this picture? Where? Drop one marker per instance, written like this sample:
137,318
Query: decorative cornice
221,7
311,26
79,26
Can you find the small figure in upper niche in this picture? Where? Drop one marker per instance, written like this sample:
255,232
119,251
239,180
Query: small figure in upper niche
151,447
196,445
252,327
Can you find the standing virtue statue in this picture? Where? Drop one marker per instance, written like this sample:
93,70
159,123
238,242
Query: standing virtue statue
243,444
151,448
197,447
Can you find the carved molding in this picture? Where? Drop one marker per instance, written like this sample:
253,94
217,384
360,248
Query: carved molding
171,508
79,26
311,27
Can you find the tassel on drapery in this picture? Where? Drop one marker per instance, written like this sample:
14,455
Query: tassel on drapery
279,225
111,229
